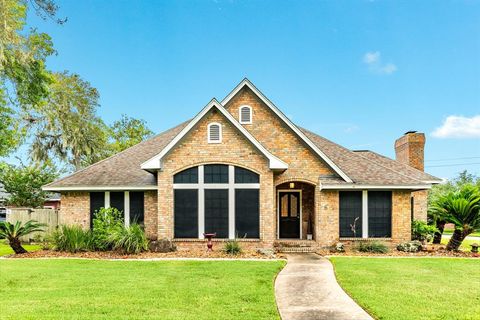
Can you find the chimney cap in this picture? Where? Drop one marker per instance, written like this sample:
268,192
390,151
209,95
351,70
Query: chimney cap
411,131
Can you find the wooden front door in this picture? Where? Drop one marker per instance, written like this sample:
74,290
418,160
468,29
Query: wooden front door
289,214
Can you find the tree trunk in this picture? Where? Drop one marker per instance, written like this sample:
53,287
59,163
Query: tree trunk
437,237
456,240
16,245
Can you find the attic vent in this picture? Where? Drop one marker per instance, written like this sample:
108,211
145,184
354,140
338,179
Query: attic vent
245,114
214,133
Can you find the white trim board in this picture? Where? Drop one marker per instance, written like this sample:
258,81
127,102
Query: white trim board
156,161
290,124
372,187
100,188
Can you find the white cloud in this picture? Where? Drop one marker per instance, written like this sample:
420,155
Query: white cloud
459,127
375,65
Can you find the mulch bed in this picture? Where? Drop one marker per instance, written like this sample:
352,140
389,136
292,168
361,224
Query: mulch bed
395,253
145,255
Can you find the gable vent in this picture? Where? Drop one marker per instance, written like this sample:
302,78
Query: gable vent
214,133
245,114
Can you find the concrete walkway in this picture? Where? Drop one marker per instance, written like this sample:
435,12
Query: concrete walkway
306,289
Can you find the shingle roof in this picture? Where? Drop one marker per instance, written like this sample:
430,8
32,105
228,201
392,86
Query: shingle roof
364,168
368,168
122,169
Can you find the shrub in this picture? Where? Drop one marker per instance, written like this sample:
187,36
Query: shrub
107,222
410,246
372,246
423,231
130,239
232,247
72,239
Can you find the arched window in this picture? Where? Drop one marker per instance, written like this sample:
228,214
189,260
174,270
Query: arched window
245,114
214,132
217,198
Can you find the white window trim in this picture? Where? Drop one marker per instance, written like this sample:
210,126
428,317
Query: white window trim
278,211
231,186
240,114
126,206
219,132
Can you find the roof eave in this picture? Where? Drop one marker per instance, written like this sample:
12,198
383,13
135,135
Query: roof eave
374,187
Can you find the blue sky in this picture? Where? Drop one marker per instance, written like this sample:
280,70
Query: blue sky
360,73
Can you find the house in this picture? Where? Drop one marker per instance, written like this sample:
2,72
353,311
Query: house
241,169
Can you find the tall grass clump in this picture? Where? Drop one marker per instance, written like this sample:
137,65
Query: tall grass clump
72,239
232,247
130,240
372,247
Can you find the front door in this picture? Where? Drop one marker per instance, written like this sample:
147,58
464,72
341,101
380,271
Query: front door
289,214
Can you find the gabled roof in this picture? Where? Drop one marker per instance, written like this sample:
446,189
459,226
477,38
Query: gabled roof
246,83
123,171
156,161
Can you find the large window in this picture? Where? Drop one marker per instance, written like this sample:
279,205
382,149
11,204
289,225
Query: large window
186,213
221,199
97,201
380,214
369,213
137,207
117,200
350,214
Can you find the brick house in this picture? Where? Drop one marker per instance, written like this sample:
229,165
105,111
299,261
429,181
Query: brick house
242,169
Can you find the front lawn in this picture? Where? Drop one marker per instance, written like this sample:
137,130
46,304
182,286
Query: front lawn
95,289
5,248
466,244
412,288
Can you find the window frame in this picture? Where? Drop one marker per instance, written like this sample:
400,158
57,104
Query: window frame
240,114
201,186
220,133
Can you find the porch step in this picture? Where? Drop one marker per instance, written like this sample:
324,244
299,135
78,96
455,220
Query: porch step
297,250
292,246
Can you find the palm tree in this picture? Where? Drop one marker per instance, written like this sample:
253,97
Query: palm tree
13,233
462,208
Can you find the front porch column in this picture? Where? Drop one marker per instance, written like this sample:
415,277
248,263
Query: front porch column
327,218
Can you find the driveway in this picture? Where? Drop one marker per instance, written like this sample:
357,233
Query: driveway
306,289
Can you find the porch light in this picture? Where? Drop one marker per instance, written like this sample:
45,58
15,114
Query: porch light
292,185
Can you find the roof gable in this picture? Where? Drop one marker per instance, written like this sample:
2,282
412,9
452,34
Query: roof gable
246,83
156,161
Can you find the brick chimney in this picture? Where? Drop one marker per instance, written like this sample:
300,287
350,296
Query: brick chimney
409,149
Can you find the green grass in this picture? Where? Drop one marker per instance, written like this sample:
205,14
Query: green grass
465,246
450,232
5,248
412,288
94,289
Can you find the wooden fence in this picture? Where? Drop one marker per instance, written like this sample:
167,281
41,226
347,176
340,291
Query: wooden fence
47,216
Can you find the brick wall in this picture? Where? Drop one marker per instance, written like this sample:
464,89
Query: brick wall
327,230
235,149
151,214
409,149
75,209
401,216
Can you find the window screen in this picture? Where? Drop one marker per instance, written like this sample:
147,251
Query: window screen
216,173
380,214
186,213
245,176
117,200
97,201
216,212
247,213
187,176
137,207
350,214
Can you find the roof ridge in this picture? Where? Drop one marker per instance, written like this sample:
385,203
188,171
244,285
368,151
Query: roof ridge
116,154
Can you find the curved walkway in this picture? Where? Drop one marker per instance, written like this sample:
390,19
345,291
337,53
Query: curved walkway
306,289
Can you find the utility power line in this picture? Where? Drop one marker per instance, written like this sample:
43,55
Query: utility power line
465,158
453,165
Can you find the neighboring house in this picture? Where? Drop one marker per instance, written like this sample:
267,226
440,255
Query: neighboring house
242,169
3,201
